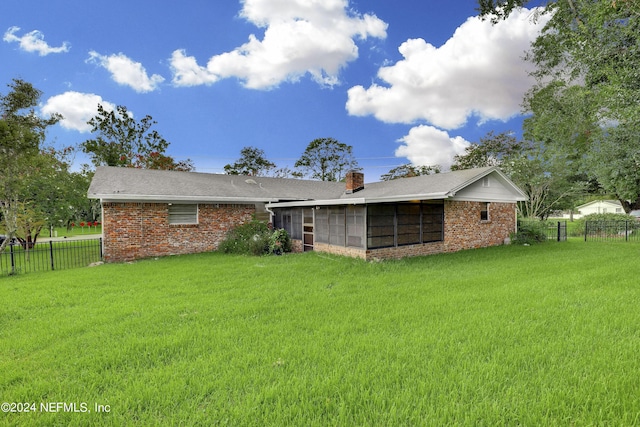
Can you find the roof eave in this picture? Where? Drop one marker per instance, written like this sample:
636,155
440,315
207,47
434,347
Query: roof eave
360,200
177,199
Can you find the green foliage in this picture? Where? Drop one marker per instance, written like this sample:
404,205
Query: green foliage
408,170
326,159
22,133
123,141
279,242
498,9
252,162
251,238
545,335
585,106
530,232
492,150
578,228
255,238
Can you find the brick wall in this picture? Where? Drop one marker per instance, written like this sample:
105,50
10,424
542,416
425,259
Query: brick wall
141,230
463,229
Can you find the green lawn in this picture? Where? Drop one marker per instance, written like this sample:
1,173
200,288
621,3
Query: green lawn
539,335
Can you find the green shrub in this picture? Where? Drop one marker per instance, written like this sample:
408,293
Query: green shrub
255,238
578,229
530,232
251,238
279,242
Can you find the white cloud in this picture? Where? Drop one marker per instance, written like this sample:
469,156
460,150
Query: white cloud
76,108
478,71
33,42
428,146
301,37
126,72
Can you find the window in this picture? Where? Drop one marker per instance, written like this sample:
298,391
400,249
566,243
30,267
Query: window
484,211
183,214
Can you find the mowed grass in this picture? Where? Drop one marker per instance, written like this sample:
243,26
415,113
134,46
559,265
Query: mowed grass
540,335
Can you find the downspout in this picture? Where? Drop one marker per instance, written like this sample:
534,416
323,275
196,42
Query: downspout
271,214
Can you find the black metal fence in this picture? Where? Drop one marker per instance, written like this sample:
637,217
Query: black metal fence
52,255
555,231
612,230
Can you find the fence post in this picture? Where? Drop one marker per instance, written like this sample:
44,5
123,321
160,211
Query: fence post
626,231
51,252
13,261
558,231
586,227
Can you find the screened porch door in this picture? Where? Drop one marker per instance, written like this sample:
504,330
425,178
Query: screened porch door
307,230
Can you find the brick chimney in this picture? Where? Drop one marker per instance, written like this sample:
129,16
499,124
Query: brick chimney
355,181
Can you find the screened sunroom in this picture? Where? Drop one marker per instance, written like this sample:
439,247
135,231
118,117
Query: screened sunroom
371,226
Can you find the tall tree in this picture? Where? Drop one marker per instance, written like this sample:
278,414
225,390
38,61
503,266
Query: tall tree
252,162
586,104
492,150
326,159
547,183
123,141
408,170
22,132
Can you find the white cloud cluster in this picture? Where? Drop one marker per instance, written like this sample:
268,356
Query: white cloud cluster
428,146
300,37
127,72
33,42
76,108
478,71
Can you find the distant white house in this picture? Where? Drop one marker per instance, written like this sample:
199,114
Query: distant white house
599,207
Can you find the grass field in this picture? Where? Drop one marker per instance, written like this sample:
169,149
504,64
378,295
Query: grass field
73,231
539,335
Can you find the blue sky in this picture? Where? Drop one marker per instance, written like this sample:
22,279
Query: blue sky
409,81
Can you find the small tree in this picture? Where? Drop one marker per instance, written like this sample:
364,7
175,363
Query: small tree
326,159
252,162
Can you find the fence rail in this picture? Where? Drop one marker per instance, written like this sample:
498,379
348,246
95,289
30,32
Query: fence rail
52,255
612,230
553,230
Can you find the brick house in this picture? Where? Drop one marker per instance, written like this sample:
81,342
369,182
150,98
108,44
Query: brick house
148,213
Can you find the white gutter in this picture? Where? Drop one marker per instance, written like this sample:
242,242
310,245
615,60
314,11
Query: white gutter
177,199
360,200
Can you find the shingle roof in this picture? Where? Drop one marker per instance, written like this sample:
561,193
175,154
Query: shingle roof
113,183
130,184
426,185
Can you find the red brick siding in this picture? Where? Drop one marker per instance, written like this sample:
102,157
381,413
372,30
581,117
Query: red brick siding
463,229
141,230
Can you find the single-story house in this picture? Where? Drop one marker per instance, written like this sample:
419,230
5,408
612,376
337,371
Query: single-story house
148,213
599,207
